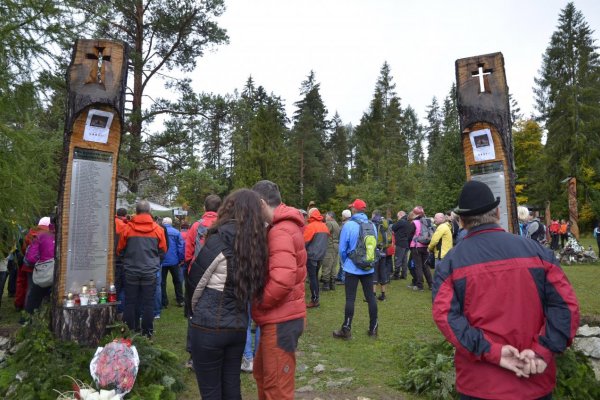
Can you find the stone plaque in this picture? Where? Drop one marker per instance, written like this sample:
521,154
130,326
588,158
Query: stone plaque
88,237
492,174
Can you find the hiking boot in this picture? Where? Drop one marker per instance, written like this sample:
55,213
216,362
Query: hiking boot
372,332
313,304
382,297
344,333
325,287
332,284
189,364
247,364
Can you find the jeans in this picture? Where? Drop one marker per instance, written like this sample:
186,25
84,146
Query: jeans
400,262
217,355
313,277
248,352
120,285
351,285
142,290
176,276
35,295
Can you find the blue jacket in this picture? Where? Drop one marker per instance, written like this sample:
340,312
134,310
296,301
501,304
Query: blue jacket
348,240
175,253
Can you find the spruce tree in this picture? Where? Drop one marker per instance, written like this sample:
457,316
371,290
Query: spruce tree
568,102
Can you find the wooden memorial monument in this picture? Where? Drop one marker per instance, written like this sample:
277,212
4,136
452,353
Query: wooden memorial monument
485,123
96,82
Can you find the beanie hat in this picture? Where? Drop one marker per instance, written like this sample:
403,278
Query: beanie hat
476,198
45,221
167,220
346,214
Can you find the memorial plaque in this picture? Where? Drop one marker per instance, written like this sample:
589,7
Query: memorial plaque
88,235
492,174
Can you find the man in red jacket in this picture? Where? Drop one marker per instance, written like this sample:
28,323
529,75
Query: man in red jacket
142,245
504,303
282,311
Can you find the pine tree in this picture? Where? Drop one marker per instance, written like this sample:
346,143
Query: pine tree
568,100
307,144
433,130
338,147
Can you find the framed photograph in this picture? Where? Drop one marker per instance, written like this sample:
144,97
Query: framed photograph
97,126
483,145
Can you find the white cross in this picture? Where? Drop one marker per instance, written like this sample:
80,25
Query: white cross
480,75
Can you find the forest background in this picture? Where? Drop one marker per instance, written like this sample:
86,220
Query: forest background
180,148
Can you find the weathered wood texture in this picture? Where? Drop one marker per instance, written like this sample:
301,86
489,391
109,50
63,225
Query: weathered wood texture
83,87
573,210
86,91
84,325
487,109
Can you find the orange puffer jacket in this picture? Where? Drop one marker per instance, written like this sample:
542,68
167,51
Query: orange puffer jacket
283,298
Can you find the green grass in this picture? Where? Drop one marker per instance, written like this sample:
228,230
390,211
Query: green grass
376,364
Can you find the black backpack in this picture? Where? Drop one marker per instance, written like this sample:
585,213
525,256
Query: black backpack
540,233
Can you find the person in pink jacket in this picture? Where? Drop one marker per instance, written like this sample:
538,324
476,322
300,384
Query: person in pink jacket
40,250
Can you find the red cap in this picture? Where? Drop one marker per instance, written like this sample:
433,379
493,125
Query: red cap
358,204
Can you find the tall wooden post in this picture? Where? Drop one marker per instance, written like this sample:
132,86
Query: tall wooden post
96,81
573,210
483,107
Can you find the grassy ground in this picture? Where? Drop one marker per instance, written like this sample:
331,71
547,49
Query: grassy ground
373,365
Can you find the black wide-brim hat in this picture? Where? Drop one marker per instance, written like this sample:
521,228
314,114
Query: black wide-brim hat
476,198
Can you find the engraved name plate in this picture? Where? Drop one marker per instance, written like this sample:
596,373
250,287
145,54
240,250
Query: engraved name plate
88,234
492,174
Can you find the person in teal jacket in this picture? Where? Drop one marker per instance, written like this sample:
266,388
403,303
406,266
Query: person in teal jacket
348,240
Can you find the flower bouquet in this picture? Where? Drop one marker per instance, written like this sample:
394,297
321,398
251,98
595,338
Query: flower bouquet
115,366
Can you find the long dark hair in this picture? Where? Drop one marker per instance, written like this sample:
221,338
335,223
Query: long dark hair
250,250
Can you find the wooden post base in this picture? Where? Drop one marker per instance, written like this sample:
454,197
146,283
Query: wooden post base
84,325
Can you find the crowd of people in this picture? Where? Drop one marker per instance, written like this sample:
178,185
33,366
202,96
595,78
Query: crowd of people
243,266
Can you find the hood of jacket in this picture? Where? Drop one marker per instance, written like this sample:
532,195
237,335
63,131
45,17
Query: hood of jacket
359,217
142,223
315,216
283,213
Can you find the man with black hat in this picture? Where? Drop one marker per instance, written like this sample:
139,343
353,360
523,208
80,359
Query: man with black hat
504,303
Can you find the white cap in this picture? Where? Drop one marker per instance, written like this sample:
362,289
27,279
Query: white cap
44,221
167,220
346,214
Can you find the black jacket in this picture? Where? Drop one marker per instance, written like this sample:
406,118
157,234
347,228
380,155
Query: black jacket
401,231
212,279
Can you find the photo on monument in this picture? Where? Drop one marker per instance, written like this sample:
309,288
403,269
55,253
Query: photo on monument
483,145
481,141
99,121
97,126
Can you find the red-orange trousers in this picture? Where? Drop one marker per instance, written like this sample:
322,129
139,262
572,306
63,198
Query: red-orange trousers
22,283
275,360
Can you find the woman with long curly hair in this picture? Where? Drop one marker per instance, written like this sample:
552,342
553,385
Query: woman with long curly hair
229,272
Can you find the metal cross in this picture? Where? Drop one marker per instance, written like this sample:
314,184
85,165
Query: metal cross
480,74
101,58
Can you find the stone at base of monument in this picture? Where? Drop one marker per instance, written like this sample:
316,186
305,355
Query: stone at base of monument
84,325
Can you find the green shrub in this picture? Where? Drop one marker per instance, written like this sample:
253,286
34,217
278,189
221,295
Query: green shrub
575,379
429,371
49,363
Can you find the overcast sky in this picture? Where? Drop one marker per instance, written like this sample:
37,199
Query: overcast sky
346,42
